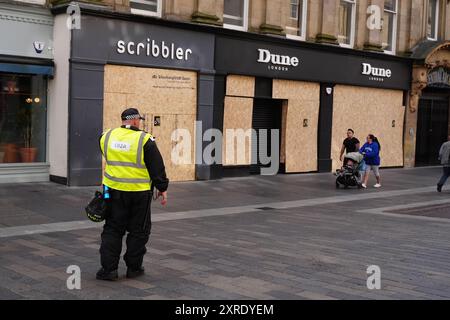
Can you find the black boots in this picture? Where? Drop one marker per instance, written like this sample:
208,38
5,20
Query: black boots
439,187
102,274
133,273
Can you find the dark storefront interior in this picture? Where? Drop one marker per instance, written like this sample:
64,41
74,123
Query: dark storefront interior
266,116
23,118
432,125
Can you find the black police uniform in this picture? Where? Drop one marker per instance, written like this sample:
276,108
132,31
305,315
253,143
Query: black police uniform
131,212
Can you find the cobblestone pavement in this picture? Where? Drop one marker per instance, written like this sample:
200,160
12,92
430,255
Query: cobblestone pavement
279,237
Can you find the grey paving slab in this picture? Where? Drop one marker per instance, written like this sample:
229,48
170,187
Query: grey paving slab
310,242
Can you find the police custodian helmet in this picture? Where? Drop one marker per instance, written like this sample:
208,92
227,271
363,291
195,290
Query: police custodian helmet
97,208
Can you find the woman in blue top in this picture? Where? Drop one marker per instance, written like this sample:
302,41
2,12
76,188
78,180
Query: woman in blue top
371,151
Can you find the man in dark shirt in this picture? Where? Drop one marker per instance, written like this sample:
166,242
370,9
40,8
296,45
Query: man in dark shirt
350,144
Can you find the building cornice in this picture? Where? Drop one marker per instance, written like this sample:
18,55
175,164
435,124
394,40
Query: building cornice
26,14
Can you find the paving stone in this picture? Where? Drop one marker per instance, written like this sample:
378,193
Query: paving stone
319,251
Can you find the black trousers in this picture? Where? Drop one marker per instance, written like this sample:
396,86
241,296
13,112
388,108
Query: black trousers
445,175
128,212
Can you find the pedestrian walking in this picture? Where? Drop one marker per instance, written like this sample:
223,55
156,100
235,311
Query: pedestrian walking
444,157
350,144
134,166
371,151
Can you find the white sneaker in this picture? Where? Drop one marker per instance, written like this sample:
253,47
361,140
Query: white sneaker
364,186
377,185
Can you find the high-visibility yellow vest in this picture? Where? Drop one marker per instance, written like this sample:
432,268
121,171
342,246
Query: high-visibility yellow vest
123,150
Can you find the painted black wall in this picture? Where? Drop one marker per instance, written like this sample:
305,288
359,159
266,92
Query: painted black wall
85,123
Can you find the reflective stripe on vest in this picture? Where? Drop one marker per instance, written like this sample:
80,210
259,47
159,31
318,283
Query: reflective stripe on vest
136,164
126,180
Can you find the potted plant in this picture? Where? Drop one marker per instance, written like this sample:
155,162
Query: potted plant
28,152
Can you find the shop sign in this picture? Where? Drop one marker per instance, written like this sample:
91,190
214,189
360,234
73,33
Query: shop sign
277,61
375,73
154,49
439,77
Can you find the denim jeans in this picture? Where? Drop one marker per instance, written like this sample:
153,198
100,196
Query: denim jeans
445,175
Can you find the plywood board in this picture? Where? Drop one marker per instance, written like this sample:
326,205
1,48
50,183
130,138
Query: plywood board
238,114
300,90
369,110
169,94
301,142
113,106
119,79
303,102
241,86
283,131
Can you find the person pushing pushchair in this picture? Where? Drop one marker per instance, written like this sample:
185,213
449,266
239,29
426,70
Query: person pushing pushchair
350,173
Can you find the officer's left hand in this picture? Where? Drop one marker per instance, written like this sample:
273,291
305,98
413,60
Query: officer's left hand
164,197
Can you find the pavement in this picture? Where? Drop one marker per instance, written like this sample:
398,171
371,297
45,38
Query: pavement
258,237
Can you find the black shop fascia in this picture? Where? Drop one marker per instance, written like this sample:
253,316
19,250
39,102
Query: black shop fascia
126,40
286,59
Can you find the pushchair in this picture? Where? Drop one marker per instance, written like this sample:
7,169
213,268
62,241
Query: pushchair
349,175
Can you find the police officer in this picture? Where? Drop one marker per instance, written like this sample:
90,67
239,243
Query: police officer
134,166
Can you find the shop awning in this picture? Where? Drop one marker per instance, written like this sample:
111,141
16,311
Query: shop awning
27,69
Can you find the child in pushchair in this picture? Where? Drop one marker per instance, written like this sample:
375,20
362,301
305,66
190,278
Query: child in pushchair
349,175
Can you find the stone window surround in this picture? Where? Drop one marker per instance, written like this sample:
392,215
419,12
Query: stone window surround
245,19
353,25
303,21
394,29
150,13
436,22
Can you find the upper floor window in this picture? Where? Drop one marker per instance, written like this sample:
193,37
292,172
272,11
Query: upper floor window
235,14
432,19
146,7
389,29
296,26
347,15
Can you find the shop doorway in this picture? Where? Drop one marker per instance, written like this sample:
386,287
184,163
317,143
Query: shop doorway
432,126
267,114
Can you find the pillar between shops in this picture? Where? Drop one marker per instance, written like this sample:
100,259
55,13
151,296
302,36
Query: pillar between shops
272,24
85,123
325,127
211,96
419,83
206,12
373,37
328,28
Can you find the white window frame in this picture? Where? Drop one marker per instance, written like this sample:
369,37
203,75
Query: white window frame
244,26
394,29
436,22
39,2
147,12
302,36
352,27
